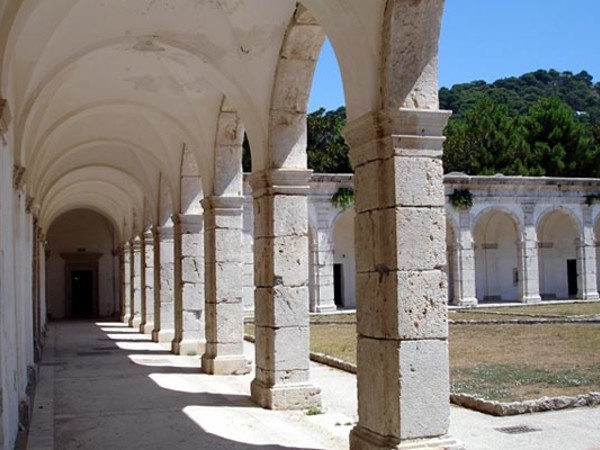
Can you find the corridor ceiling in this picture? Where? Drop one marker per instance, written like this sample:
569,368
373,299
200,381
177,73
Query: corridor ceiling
107,95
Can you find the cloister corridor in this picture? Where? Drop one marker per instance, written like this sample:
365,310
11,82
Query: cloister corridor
104,385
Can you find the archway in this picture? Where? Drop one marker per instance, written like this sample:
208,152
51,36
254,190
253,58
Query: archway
557,236
496,259
344,265
80,270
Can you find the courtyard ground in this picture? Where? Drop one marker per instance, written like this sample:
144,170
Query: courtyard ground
105,386
506,353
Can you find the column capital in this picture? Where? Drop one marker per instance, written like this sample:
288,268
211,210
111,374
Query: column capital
5,117
413,132
136,244
165,232
223,205
280,182
18,177
189,223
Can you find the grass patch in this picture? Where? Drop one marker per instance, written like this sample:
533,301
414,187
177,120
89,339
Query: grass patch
517,312
498,361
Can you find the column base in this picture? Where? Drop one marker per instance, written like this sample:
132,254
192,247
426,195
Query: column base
188,347
325,308
125,318
225,365
467,302
135,322
286,397
163,336
146,328
363,439
589,296
531,299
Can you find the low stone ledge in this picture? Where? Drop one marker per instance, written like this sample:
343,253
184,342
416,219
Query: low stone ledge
529,406
523,321
333,362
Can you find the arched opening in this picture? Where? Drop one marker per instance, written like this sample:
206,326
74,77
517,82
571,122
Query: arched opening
81,267
557,236
496,258
344,265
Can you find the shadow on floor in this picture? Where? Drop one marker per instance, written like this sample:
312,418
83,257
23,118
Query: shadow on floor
109,397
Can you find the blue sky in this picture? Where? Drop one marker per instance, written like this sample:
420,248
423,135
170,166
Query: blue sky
491,39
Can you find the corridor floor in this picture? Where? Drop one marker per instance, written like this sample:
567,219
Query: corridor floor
105,386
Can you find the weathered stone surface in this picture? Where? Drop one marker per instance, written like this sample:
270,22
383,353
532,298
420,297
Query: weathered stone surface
286,348
391,239
278,306
408,379
285,397
408,305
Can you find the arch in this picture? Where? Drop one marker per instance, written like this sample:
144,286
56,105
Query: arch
495,234
86,147
558,231
344,259
81,264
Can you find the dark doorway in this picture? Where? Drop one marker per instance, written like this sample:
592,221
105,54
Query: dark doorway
82,293
337,285
572,277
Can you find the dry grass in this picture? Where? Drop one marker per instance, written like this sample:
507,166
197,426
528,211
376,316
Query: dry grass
499,362
520,312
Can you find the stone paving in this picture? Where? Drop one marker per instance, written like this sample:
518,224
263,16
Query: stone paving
105,386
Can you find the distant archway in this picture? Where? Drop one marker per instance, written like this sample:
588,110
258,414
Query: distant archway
496,259
344,265
557,237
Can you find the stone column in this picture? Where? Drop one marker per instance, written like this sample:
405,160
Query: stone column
527,250
224,285
189,285
136,283
323,261
587,284
126,282
464,285
281,296
164,303
402,351
147,324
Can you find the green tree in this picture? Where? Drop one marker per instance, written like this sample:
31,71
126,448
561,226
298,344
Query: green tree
559,144
485,142
326,149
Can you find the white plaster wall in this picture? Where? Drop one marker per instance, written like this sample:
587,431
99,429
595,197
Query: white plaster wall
9,373
558,230
495,237
71,231
343,253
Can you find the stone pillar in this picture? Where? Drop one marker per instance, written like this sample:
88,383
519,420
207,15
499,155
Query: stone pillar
464,284
164,300
324,300
400,225
527,251
281,296
587,284
147,324
224,308
189,285
136,283
126,282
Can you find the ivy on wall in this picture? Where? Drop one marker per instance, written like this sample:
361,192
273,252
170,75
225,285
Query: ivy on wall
343,198
461,199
